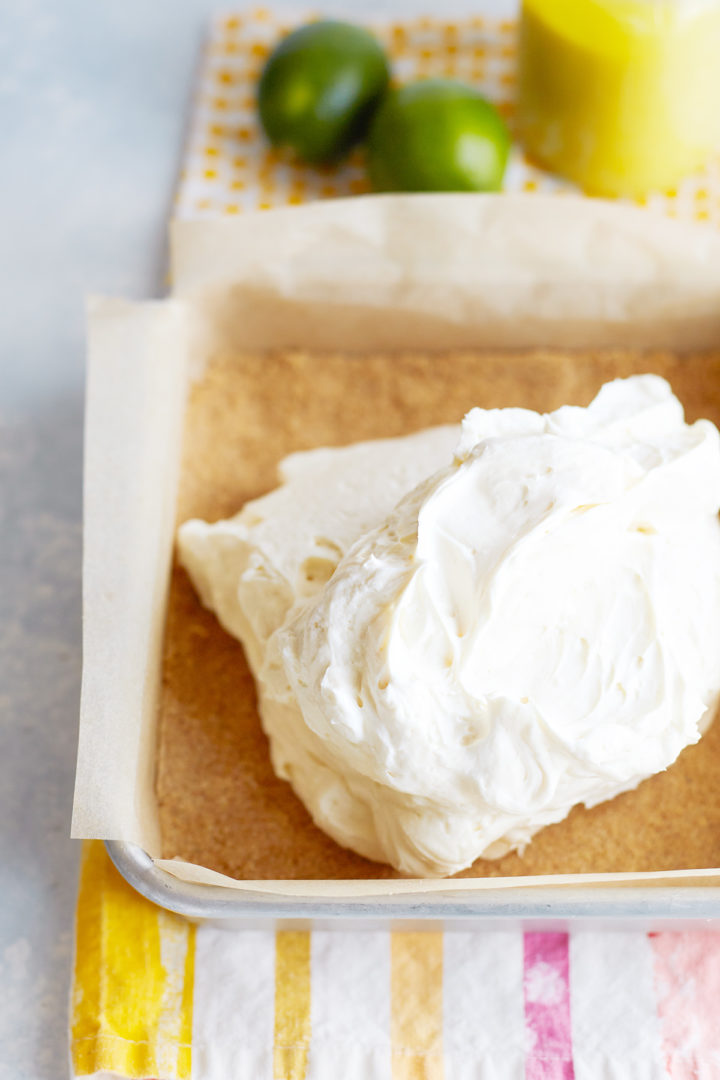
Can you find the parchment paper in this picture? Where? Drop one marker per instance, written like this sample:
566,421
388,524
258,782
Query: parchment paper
136,383
372,272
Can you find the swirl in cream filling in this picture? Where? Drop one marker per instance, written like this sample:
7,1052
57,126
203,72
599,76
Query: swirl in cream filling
535,625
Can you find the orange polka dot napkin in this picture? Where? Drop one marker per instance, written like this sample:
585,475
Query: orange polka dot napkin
229,166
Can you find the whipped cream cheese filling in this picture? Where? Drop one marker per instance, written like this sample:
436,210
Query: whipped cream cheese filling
459,635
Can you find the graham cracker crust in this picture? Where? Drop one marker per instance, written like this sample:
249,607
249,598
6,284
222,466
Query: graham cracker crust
220,803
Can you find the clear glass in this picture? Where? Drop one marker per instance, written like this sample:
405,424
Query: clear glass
621,96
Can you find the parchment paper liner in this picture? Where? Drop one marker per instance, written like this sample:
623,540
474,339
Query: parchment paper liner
367,273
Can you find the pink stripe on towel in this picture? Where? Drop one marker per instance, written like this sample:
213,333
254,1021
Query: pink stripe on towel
687,989
546,984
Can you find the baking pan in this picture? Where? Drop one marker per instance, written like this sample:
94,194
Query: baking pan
646,284
592,907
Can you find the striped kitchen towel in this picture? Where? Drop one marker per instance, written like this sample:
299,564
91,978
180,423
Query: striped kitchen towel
155,996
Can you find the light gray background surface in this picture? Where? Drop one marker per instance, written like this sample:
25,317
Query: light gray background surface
93,102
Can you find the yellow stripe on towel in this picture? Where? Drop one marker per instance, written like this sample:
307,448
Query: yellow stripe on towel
132,993
184,1058
417,1005
292,1004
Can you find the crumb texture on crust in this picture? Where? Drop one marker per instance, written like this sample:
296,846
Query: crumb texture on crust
220,803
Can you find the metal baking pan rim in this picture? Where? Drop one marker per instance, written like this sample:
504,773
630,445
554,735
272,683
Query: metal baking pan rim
627,905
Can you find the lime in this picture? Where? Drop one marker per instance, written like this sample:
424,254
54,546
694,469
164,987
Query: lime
320,87
437,135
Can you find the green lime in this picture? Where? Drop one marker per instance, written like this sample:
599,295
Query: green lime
437,135
320,87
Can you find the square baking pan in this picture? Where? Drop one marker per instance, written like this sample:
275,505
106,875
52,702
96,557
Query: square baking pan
401,272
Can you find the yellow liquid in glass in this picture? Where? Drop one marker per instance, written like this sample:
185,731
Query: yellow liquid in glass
621,96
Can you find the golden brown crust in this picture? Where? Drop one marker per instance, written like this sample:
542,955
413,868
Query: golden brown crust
220,803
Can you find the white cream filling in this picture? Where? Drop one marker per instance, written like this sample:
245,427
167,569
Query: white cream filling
453,651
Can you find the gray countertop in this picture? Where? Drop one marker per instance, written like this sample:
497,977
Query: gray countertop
93,101
92,105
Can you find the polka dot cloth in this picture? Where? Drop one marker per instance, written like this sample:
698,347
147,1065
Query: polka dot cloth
229,166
